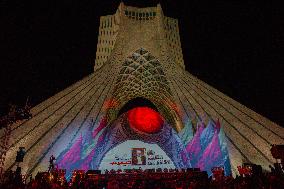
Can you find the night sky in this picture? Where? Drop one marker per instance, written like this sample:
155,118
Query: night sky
46,46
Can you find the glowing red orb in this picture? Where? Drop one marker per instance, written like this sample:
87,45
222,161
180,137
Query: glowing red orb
145,119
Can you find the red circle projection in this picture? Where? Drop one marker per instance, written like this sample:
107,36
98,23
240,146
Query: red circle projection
145,119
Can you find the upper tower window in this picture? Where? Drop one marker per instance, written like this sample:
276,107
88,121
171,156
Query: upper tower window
139,15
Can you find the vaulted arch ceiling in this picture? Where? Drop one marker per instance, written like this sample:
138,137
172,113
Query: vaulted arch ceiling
142,75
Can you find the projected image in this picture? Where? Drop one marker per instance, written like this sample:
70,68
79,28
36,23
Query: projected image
138,156
135,154
109,148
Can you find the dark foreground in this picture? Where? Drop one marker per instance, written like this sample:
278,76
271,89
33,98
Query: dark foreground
150,179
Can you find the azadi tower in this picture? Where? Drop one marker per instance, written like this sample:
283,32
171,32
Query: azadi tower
138,56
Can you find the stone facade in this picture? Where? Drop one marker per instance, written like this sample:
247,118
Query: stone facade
139,55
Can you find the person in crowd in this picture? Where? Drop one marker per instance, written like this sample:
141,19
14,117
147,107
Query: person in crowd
51,163
146,180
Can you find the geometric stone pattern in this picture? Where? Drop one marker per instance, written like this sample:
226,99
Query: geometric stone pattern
173,39
142,75
60,120
106,39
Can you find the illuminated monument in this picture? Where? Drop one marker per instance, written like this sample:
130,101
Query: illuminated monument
94,124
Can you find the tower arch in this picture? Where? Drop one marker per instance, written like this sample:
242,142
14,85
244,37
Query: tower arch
142,76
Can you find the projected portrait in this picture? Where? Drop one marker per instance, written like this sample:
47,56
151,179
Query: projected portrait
138,156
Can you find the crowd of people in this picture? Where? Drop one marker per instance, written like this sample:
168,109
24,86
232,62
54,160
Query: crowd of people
250,177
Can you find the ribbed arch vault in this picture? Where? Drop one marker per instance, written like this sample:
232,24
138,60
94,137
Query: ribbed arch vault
142,75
